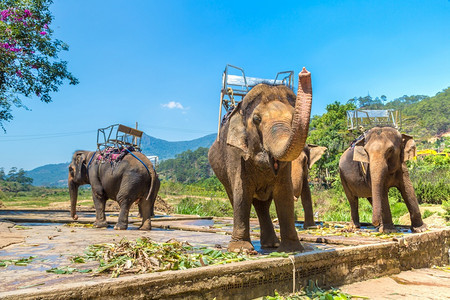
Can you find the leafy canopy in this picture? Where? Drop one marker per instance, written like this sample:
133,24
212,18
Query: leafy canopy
330,130
29,64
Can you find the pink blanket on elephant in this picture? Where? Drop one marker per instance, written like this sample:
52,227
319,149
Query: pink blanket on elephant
113,154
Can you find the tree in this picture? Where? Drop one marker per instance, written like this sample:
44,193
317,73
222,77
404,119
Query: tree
19,176
29,64
330,130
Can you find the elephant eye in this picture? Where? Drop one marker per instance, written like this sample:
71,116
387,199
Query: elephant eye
256,119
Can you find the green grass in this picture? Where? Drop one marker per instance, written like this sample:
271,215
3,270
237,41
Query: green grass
203,189
41,197
332,205
201,207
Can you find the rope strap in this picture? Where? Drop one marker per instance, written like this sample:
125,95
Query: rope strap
293,273
139,160
87,168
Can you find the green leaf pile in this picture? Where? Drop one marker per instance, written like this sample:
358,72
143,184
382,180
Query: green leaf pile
146,256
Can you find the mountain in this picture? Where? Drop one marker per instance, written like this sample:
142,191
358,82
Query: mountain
164,149
55,175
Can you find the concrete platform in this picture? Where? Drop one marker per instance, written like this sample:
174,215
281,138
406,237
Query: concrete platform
329,260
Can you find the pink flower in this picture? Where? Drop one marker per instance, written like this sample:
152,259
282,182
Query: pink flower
43,33
46,26
26,13
5,14
18,72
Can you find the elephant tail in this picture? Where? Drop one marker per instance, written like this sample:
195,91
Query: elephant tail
153,180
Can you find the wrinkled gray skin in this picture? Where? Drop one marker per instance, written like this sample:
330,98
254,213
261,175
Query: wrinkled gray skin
125,182
383,154
300,171
252,158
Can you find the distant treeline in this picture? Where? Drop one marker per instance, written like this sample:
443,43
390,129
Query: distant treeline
14,181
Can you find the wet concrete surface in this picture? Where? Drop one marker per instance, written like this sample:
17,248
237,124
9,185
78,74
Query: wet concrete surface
425,283
53,244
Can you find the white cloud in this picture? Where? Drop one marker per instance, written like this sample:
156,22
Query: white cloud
173,105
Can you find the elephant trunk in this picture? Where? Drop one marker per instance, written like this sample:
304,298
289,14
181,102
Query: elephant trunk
73,191
300,120
378,172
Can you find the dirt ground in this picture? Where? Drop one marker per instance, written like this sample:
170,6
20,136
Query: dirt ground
414,284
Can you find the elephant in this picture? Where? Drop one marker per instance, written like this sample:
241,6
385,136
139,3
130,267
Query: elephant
252,158
371,166
126,182
299,174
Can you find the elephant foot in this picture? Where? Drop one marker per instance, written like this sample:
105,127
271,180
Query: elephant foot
147,225
355,225
387,228
240,246
273,242
290,246
120,226
100,224
417,229
307,225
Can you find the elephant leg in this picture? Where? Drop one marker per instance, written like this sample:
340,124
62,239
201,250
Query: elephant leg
284,203
307,205
125,204
353,200
409,196
100,216
354,207
268,237
240,238
378,217
145,208
381,207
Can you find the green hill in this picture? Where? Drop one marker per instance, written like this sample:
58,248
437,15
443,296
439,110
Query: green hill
165,149
422,117
53,175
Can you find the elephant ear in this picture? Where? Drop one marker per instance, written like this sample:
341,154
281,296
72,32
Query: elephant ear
80,157
237,135
359,153
409,147
315,153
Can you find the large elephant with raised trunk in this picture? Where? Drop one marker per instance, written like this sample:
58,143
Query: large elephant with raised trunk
371,166
252,158
126,182
300,170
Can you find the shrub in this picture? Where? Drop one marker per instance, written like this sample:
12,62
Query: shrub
200,207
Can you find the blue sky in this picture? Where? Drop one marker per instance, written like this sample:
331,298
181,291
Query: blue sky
159,63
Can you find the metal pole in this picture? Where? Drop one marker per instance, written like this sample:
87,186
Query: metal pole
220,113
135,138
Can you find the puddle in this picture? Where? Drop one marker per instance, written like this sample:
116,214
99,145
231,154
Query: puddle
201,222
